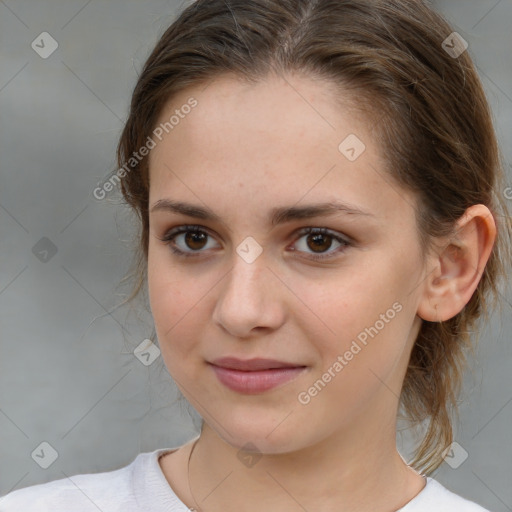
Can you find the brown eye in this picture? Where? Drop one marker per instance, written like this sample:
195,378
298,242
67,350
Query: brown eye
317,242
320,240
192,242
195,240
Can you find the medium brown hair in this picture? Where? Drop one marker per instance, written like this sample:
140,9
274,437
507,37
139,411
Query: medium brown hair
430,114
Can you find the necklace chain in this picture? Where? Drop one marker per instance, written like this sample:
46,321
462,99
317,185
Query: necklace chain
188,477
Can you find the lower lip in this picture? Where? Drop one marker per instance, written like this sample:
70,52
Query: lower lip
256,381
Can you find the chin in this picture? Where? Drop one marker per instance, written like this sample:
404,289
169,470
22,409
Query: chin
252,433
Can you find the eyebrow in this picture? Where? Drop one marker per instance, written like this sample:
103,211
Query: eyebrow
278,215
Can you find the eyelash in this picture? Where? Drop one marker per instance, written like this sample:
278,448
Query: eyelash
169,237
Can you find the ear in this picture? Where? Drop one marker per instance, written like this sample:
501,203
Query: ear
455,270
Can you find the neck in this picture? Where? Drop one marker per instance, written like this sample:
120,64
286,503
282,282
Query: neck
350,470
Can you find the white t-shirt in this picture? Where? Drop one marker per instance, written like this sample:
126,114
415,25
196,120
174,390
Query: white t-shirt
142,487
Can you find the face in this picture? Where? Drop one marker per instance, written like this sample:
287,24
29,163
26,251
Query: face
340,305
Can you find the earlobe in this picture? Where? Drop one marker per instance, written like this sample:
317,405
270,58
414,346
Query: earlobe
456,269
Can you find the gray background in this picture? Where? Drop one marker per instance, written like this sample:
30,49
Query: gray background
68,374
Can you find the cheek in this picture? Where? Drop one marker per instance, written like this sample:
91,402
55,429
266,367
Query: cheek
171,291
364,312
178,301
176,324
366,349
167,297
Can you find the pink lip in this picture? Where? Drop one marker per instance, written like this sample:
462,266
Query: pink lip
254,375
248,365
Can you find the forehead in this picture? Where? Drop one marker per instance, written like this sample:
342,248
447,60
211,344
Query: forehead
292,117
279,138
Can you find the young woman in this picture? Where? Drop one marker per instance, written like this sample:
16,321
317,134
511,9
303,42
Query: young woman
318,188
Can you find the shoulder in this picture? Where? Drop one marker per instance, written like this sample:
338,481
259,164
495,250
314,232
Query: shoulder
81,493
437,497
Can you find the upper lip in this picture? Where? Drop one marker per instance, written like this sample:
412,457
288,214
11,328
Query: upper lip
234,363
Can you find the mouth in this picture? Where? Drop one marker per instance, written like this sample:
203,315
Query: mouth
254,376
256,364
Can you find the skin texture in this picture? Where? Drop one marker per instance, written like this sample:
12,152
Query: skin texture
243,150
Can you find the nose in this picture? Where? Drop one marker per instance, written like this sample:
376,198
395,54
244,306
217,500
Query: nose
250,299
